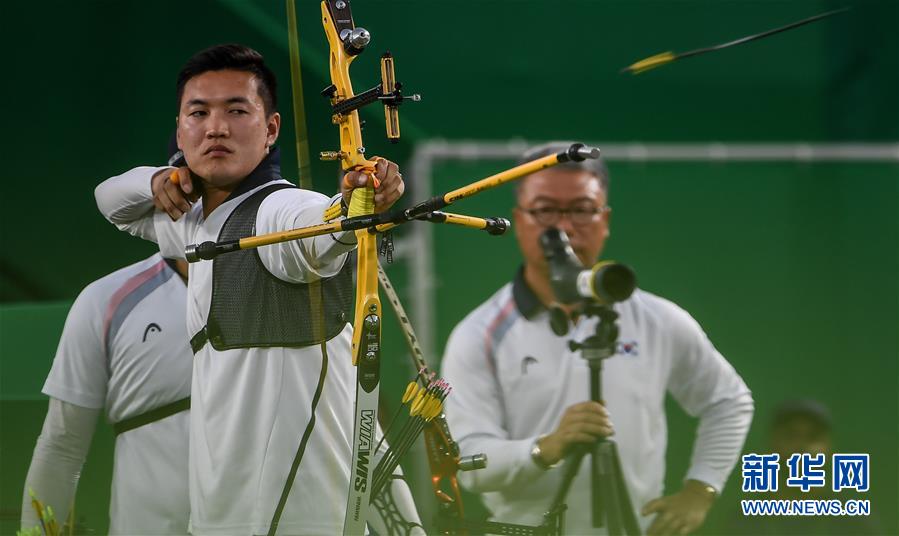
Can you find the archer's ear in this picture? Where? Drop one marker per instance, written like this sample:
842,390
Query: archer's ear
273,128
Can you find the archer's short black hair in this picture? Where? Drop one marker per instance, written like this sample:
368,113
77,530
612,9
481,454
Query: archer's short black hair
234,57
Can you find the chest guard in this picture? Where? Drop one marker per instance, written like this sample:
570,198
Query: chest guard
252,308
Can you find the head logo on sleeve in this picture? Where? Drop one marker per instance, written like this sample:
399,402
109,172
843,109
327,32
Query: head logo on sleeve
153,327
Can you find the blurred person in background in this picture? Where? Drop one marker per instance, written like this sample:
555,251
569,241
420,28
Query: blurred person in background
801,426
124,349
523,397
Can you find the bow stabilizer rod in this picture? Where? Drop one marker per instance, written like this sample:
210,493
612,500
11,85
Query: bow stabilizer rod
577,152
384,221
206,251
494,226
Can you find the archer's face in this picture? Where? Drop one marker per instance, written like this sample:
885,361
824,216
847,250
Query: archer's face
222,127
565,189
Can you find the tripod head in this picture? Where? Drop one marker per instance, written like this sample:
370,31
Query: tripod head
604,340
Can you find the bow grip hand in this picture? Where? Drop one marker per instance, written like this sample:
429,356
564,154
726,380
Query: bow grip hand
385,181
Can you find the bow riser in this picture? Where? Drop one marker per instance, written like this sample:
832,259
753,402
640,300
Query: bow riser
345,42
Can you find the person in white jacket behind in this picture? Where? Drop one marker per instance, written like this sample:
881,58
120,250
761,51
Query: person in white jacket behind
523,396
124,349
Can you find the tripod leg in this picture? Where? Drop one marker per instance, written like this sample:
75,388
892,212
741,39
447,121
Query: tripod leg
628,517
607,489
599,495
619,511
569,471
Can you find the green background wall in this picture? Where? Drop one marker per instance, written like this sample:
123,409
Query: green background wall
791,268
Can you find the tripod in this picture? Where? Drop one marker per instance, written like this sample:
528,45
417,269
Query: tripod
610,500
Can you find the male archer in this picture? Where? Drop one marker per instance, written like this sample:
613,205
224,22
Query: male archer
272,386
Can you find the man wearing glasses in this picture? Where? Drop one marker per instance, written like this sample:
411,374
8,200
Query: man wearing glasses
523,397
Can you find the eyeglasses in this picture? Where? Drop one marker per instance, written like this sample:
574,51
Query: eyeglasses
578,215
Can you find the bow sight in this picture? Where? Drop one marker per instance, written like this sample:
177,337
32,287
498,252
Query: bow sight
390,98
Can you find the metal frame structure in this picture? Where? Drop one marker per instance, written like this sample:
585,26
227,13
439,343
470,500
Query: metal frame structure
429,153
